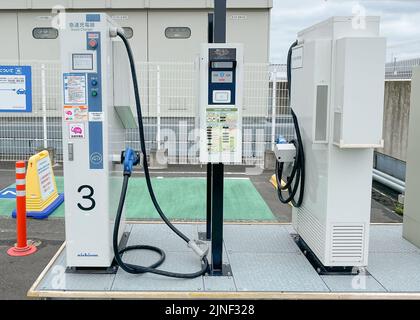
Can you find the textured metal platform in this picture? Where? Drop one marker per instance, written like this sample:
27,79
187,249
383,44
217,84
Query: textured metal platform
265,262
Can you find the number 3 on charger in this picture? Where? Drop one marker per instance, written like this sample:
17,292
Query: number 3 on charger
87,194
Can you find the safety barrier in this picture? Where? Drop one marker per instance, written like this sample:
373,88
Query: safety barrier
22,248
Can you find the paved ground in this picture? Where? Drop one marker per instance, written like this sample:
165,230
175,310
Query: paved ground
16,276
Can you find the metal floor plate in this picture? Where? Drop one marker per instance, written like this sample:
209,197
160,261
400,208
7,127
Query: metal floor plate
263,258
392,242
361,283
57,279
288,272
397,272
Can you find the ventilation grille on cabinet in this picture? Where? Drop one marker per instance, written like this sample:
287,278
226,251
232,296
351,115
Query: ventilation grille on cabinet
347,243
311,231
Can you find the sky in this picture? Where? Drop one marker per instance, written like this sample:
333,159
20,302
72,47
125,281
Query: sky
400,23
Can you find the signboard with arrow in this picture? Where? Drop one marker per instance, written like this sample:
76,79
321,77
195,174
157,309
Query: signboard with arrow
8,193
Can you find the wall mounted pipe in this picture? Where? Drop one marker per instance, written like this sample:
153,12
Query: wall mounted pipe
388,182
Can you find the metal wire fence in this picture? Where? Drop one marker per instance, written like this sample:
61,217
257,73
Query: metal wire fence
400,69
169,94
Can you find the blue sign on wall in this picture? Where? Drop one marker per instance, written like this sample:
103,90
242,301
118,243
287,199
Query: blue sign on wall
15,89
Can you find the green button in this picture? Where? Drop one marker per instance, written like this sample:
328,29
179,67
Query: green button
94,93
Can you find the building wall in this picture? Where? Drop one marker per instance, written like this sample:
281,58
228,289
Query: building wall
8,25
396,116
248,26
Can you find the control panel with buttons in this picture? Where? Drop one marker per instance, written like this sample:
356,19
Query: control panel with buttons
221,81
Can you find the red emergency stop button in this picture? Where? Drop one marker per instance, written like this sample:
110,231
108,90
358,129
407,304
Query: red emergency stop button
93,43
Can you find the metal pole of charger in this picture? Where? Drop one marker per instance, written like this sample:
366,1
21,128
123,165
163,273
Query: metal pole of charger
207,235
208,201
217,219
217,169
219,21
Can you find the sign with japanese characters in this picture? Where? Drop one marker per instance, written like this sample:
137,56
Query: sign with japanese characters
15,89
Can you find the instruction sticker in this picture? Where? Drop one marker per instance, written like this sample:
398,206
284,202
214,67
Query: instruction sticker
74,88
45,175
96,116
77,130
75,113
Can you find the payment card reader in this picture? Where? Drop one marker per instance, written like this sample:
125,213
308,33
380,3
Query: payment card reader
221,89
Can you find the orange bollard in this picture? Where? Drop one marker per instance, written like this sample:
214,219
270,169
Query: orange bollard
21,248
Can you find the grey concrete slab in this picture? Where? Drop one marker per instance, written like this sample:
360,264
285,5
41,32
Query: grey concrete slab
358,283
57,279
289,272
388,238
397,272
175,262
219,284
259,239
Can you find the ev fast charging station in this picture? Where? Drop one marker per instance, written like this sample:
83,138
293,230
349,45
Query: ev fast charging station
93,134
329,94
335,75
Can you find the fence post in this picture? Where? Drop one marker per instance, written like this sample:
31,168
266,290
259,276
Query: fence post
273,110
158,107
44,106
21,248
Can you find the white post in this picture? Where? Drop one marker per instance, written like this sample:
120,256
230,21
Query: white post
158,107
44,106
273,110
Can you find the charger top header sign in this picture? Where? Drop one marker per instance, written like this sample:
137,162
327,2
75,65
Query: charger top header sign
15,89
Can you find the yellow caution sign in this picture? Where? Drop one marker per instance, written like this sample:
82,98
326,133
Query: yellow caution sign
41,190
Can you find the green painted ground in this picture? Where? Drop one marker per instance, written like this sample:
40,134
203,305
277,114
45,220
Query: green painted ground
181,199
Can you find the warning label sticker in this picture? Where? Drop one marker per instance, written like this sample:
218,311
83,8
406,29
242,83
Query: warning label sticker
74,88
75,113
77,130
96,116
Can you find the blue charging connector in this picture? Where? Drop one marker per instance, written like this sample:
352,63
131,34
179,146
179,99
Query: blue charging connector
129,158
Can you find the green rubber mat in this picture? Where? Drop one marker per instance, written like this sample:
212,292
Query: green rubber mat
181,199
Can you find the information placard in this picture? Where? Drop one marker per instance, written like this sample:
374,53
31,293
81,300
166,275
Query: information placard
15,89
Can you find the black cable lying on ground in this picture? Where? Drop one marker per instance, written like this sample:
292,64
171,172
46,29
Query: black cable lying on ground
296,180
131,268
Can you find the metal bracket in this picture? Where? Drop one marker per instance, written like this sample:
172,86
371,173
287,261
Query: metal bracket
203,236
225,272
319,267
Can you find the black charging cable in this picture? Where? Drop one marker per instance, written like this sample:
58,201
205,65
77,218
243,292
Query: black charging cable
137,269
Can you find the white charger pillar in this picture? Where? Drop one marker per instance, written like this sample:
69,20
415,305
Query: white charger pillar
93,135
337,95
411,224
